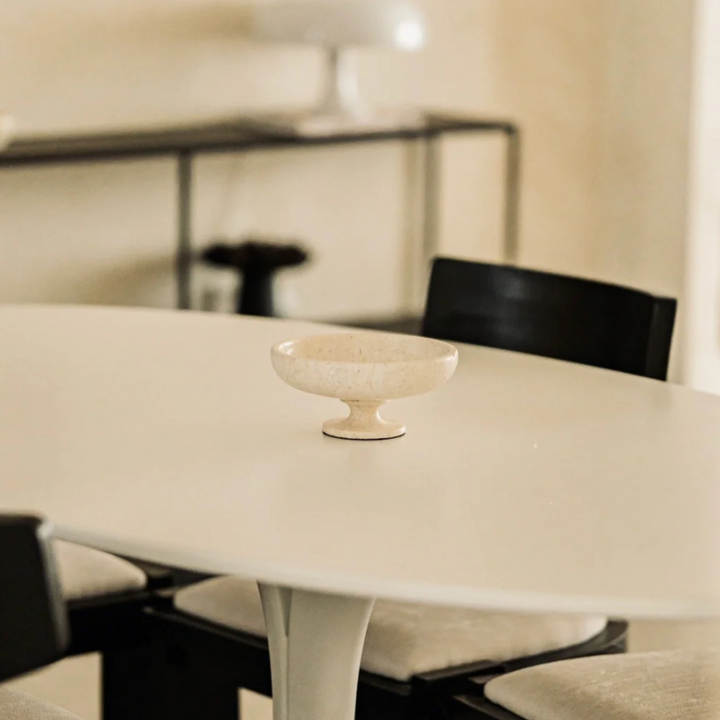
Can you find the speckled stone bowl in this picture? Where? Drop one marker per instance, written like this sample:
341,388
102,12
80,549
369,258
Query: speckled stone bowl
364,369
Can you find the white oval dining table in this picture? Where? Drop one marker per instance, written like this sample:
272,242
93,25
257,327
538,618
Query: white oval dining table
523,484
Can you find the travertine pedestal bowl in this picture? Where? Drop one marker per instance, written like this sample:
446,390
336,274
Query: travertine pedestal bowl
364,369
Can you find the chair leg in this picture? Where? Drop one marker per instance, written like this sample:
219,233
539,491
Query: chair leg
196,695
152,682
133,684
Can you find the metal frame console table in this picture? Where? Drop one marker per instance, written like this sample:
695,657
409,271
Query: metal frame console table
237,135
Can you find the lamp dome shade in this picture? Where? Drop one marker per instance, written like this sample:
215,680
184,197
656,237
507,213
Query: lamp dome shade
386,22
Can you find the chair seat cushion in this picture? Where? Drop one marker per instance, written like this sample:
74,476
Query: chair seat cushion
19,706
86,573
406,639
668,685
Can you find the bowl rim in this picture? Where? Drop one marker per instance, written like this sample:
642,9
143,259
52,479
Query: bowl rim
450,350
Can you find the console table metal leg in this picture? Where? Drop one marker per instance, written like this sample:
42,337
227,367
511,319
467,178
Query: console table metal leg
511,246
183,260
431,200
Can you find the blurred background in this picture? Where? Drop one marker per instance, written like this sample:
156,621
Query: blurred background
618,102
614,99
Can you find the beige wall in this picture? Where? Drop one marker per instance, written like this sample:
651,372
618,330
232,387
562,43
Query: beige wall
645,141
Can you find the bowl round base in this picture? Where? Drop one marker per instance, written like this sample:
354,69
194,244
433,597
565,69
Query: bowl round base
363,423
339,429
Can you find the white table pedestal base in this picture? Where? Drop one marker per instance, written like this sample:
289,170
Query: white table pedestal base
315,641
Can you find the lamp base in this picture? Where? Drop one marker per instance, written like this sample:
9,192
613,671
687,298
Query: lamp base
314,123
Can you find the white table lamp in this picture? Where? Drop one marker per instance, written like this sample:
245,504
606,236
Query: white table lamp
335,27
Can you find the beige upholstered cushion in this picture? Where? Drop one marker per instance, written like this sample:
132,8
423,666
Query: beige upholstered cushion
19,706
87,573
671,685
405,639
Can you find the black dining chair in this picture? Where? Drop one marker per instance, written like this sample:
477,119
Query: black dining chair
415,657
556,316
34,629
59,599
106,596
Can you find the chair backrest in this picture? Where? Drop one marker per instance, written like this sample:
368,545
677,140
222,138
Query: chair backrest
556,316
33,620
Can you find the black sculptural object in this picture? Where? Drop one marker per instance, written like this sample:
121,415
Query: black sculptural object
257,262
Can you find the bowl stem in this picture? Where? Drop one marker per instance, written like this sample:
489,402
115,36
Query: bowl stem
363,423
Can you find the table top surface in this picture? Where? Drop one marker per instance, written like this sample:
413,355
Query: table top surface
524,483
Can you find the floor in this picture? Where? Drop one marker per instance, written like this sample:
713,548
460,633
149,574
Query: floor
73,683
